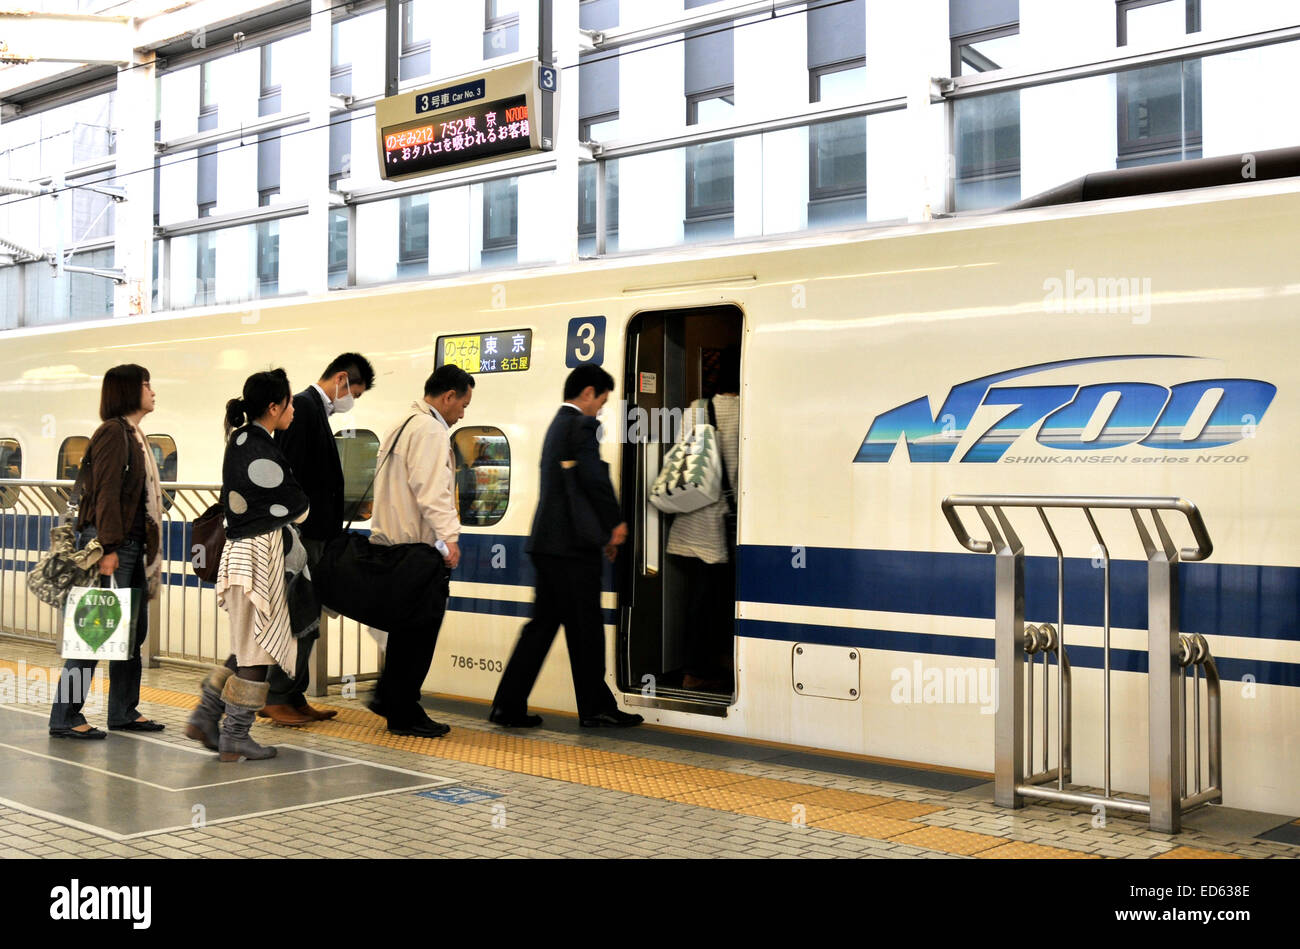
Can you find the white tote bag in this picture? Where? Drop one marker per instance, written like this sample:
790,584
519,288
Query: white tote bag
97,623
691,477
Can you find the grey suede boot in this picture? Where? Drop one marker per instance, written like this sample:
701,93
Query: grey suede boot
204,723
243,699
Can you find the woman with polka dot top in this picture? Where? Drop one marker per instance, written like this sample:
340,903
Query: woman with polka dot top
260,559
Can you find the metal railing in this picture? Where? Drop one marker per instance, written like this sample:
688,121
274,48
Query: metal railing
1170,656
186,627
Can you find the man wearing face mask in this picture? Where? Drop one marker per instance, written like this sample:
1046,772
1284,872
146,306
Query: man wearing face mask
310,447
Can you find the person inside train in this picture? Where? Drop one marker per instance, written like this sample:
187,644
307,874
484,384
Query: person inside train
703,544
260,580
574,521
415,503
121,504
313,457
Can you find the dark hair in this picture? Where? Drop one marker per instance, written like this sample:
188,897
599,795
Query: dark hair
448,378
729,370
358,369
120,394
588,375
261,390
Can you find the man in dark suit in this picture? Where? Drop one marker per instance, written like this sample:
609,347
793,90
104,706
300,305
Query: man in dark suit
313,456
568,567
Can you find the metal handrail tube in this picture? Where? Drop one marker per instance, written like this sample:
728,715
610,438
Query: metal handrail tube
1204,547
1215,736
1081,797
1196,721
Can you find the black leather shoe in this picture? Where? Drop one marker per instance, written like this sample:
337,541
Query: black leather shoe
614,719
505,719
93,733
425,729
145,726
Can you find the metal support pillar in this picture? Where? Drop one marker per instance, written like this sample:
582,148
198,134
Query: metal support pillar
392,45
1163,690
1009,657
137,92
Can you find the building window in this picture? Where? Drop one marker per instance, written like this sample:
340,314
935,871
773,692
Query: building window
71,453
1158,109
595,129
501,28
482,456
500,214
986,50
205,268
270,80
264,197
358,450
1148,22
207,89
837,151
414,35
413,234
268,258
986,138
338,250
710,168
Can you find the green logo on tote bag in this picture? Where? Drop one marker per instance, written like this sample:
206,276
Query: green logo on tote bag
98,614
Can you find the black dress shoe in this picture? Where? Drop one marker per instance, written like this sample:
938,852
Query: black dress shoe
92,733
145,726
614,719
425,729
507,720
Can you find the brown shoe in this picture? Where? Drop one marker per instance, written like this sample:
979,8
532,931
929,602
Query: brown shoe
316,714
285,715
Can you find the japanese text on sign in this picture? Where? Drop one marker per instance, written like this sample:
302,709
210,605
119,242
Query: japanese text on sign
484,131
506,351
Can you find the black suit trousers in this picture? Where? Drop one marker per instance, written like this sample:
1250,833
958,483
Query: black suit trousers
568,594
406,663
281,689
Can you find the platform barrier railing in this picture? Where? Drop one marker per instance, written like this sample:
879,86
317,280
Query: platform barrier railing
1171,657
186,627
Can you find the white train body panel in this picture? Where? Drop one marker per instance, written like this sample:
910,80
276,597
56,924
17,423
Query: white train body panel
841,553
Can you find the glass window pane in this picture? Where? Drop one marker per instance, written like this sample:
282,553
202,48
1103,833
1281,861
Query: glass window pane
711,177
413,228
844,85
1158,24
600,131
358,449
839,157
987,55
500,212
987,134
70,454
11,458
164,455
482,474
717,109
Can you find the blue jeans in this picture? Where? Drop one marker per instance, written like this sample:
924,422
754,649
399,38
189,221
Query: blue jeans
124,675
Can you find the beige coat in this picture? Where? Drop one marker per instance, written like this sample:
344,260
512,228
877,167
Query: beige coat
415,490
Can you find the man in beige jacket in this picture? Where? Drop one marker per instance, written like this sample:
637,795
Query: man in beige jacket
415,502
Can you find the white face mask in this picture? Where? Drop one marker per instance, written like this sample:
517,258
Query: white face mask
342,403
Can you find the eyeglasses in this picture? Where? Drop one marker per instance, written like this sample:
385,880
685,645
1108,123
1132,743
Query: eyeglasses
149,386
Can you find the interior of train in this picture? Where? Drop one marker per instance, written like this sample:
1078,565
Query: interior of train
677,590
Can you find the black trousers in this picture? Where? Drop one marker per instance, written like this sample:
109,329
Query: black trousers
710,615
406,663
281,689
568,594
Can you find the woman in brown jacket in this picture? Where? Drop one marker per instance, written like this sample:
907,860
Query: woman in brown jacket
121,504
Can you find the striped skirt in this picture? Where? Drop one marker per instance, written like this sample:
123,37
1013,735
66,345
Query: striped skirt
252,570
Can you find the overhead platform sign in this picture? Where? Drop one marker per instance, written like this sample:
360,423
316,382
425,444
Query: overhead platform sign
504,113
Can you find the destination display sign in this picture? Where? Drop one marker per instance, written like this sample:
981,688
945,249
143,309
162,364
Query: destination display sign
484,130
505,351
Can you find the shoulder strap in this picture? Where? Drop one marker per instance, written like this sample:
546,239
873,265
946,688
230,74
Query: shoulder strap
362,500
726,481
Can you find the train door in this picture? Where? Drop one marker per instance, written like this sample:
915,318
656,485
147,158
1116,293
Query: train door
677,604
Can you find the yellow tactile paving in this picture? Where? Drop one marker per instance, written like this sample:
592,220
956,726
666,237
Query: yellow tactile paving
765,788
789,812
718,799
1022,850
948,840
905,810
1195,853
837,799
862,824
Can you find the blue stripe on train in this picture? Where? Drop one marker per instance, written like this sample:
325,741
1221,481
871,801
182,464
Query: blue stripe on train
1122,660
1216,599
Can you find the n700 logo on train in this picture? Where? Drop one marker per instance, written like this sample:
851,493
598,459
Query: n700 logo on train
1223,410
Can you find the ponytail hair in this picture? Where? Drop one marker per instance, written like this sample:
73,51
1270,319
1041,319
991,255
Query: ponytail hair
261,391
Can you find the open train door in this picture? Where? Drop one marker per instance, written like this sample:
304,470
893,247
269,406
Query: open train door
676,613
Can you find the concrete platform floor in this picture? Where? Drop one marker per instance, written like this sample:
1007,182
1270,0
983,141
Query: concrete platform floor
346,788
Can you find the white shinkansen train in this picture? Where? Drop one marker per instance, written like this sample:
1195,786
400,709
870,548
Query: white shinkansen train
1142,346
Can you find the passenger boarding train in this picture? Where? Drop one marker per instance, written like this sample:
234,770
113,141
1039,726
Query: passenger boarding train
1137,346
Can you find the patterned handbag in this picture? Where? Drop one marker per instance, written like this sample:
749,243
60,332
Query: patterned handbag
63,566
692,473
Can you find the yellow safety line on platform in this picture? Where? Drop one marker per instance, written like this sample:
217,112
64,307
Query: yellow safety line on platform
790,802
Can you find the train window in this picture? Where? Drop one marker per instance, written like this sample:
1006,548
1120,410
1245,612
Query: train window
164,455
70,454
482,474
358,449
11,466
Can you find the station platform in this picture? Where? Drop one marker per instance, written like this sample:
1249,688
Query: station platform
346,788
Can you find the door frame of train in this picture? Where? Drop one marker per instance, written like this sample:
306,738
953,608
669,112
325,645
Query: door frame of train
633,487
